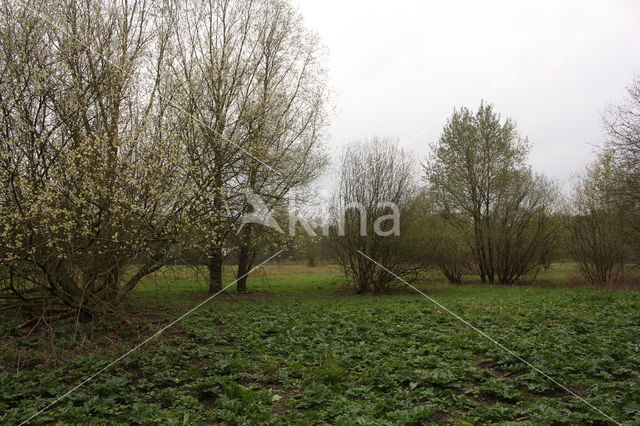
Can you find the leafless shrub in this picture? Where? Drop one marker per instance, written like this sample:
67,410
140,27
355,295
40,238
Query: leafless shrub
372,213
598,242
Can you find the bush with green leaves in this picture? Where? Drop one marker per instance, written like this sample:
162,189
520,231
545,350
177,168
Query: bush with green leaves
477,169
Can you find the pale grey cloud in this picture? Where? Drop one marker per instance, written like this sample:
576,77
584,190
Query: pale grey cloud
399,68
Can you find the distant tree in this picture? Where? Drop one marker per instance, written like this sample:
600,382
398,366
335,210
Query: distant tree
598,226
308,243
622,123
453,253
375,185
525,229
478,169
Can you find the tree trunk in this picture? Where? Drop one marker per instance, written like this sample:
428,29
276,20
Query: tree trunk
135,279
245,259
215,269
244,266
479,254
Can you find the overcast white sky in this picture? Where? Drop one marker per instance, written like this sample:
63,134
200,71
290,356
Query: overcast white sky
399,67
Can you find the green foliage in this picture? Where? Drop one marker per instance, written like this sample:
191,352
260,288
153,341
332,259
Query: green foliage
477,169
445,239
346,359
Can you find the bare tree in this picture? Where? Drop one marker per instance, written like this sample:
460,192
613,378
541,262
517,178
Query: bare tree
447,240
376,185
284,120
214,69
598,240
622,122
252,113
525,231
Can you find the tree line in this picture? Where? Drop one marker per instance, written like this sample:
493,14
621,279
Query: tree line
478,208
131,131
133,135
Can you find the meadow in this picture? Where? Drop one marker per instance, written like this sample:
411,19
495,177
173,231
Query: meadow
299,348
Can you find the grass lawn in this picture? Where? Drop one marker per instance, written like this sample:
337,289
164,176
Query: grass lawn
300,349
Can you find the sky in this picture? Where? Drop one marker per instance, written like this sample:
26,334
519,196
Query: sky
397,69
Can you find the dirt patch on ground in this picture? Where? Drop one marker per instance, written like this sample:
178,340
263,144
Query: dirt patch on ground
52,346
228,296
492,366
442,418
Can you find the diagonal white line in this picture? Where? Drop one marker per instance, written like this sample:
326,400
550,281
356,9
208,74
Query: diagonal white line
494,341
139,345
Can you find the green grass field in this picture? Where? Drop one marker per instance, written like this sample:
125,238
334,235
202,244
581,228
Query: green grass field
301,349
